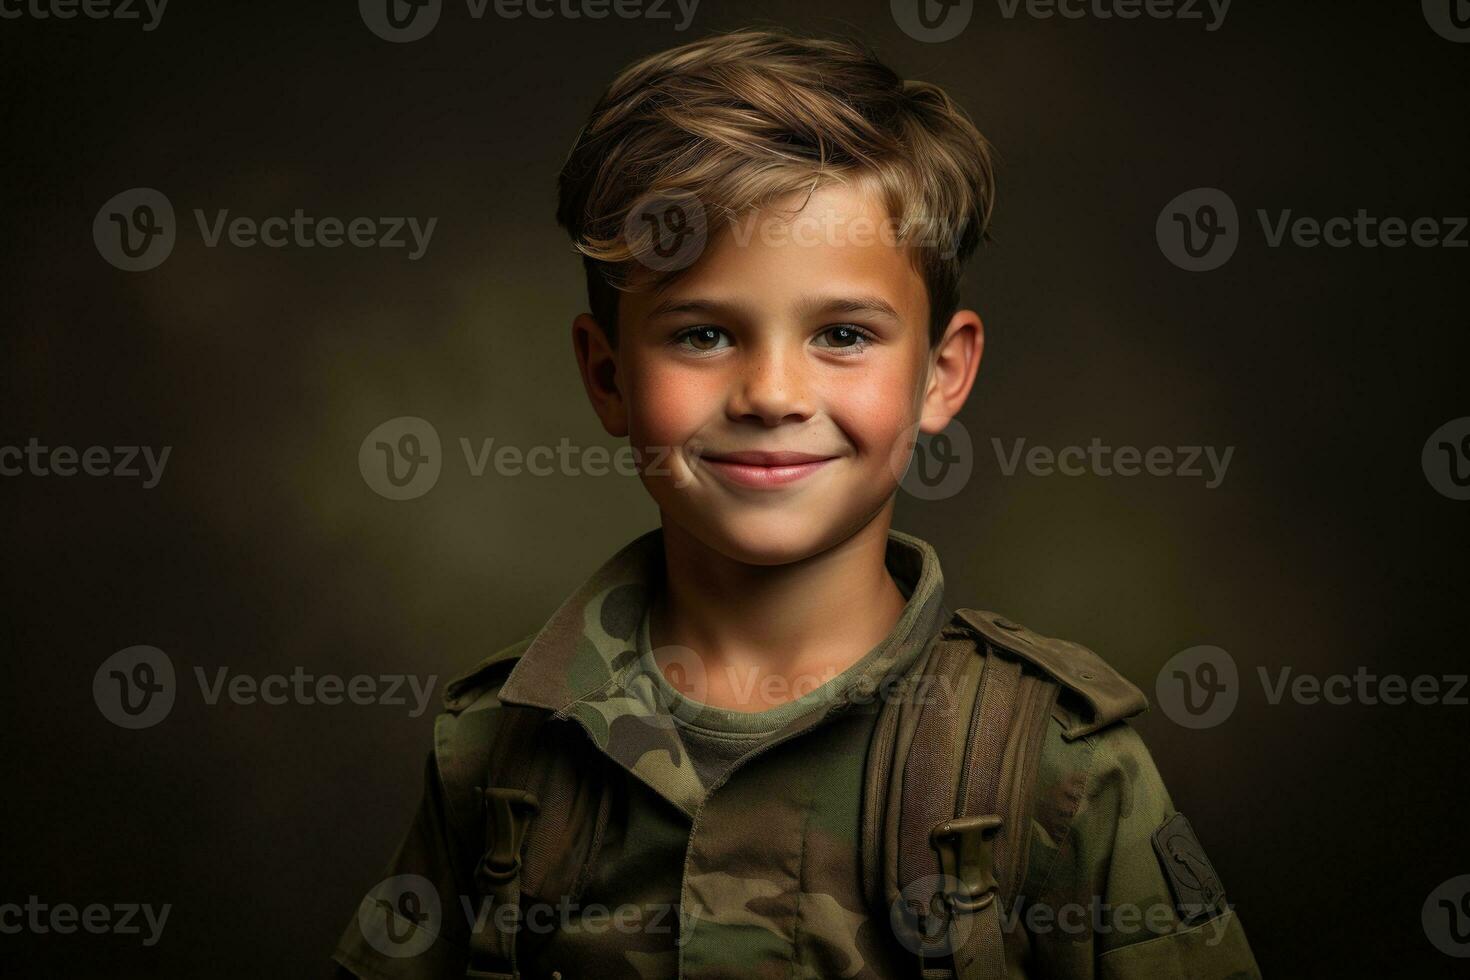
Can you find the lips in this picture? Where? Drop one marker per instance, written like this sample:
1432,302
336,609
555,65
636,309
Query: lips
750,468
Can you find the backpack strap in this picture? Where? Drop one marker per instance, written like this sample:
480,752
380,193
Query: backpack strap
953,764
1094,695
508,812
524,798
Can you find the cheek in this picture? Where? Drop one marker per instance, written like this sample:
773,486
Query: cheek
669,403
875,408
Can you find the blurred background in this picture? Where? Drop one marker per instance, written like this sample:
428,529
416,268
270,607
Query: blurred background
261,548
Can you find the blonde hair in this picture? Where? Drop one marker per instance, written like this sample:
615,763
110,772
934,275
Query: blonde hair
739,120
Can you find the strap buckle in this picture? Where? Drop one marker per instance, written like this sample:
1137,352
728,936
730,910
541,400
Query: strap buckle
508,814
967,861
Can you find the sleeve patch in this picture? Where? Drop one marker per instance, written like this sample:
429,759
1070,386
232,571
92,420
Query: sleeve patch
1198,893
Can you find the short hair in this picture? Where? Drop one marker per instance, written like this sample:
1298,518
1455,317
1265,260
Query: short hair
742,119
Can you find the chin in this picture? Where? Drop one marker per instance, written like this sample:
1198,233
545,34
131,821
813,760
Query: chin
769,538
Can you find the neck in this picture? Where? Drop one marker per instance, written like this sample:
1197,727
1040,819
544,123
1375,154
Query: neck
803,622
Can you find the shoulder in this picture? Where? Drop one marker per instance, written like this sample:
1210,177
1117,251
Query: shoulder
1093,696
479,687
1091,766
473,715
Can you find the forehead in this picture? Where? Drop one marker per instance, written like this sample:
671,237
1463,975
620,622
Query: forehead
837,240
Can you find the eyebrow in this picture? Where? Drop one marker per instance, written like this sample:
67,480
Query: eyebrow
813,306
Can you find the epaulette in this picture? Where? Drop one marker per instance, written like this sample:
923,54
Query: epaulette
485,676
1100,696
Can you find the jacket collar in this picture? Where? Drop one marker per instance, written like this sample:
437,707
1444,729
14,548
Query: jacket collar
584,662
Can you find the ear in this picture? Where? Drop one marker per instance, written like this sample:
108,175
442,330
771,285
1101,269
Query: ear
597,360
952,367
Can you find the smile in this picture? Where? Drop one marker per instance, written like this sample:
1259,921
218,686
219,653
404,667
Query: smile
760,470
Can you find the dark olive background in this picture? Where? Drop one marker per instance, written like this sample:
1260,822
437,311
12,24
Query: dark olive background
263,549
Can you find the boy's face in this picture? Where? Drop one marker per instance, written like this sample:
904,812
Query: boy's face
775,388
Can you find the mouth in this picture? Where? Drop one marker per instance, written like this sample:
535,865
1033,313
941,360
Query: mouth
764,469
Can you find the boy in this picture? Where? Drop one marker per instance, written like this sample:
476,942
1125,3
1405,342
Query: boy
681,773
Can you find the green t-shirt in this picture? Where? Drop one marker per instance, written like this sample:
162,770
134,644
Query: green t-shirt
717,738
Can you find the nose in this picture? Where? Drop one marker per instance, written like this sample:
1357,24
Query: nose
771,389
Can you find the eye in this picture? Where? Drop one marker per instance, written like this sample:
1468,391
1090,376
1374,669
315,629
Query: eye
845,337
702,339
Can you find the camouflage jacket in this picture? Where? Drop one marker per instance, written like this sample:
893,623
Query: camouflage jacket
757,875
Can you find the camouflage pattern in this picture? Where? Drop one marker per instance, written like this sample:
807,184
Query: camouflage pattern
758,875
